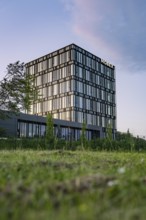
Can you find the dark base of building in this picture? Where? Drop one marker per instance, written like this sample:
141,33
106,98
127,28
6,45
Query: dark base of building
24,125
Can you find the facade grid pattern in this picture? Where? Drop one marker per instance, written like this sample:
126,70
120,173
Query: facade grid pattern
75,85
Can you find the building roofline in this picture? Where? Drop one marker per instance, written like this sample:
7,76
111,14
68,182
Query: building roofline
75,45
51,52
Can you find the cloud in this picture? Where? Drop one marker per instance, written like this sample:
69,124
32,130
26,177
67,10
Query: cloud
115,28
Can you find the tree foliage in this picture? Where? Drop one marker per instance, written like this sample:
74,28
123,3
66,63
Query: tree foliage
83,136
50,138
109,136
17,92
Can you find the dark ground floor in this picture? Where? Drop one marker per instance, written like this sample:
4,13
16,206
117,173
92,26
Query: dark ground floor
24,125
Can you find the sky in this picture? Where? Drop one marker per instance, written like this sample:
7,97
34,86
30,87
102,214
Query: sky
113,30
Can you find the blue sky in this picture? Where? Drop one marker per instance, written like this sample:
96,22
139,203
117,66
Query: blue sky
114,30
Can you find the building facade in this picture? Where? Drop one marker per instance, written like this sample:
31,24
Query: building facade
75,86
25,125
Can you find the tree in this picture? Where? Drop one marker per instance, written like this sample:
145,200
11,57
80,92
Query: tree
127,141
130,140
83,136
17,91
50,138
109,136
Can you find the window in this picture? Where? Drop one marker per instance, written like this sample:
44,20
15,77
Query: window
67,115
42,130
87,75
112,73
72,54
67,56
50,93
97,66
102,68
31,70
54,75
44,67
103,108
55,61
65,87
79,57
80,102
109,110
109,97
94,106
50,105
109,84
39,80
88,61
101,81
63,102
34,109
61,87
102,94
93,64
94,119
72,100
98,121
97,79
113,86
108,72
63,72
44,92
103,122
54,104
50,77
98,106
68,101
55,115
80,72
79,86
45,106
88,104
35,130
45,78
68,70
80,117
22,129
89,119
72,85
50,62
88,90
55,89
72,70
93,92
64,57
40,67
30,130
39,107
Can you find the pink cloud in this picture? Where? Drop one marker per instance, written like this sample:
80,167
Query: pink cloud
86,22
116,29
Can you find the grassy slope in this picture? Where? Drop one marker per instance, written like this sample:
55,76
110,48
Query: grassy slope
72,185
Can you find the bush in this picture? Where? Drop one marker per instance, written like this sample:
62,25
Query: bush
124,142
2,132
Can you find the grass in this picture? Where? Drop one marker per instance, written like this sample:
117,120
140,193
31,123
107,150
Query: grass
62,185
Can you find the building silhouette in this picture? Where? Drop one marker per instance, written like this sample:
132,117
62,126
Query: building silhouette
74,86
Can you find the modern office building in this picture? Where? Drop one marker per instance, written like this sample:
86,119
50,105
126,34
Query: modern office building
75,86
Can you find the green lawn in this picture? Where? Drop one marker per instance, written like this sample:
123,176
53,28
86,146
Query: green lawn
67,185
